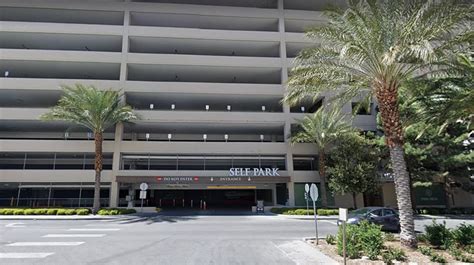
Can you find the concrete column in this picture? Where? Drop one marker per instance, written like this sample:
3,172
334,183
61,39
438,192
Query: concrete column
131,193
274,195
115,187
291,193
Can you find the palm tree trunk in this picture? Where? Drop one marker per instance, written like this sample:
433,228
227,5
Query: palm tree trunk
322,178
387,97
98,137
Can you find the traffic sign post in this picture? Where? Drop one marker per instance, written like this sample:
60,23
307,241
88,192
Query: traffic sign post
306,194
143,188
314,194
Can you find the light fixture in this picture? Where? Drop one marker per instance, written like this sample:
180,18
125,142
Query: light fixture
207,107
173,106
66,135
263,108
89,135
229,107
169,136
262,137
7,73
302,108
204,136
152,106
226,137
147,136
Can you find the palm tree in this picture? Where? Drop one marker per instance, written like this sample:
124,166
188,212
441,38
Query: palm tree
96,110
322,129
371,48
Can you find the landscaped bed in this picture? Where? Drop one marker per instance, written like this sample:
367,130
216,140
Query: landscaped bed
304,211
63,211
367,244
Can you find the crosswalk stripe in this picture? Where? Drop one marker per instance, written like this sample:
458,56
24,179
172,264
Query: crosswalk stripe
74,235
94,229
31,244
25,255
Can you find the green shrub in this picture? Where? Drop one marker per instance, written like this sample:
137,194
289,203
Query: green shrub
115,211
458,254
304,211
470,249
40,211
438,235
61,212
427,251
437,258
29,212
389,237
353,245
421,238
18,212
464,234
331,239
82,211
371,238
51,211
70,212
393,254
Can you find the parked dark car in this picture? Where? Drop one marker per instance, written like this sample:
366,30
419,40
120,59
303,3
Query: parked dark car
386,217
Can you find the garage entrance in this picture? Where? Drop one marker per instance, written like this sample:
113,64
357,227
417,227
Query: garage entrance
228,198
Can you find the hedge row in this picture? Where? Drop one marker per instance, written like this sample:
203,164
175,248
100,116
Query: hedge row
301,211
115,211
436,211
44,211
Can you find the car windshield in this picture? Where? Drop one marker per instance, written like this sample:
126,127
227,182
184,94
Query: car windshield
360,211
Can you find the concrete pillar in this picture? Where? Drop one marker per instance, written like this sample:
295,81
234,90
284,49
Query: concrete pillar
115,187
291,193
274,195
131,193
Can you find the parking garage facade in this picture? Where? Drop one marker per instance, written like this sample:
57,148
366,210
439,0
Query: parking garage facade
206,77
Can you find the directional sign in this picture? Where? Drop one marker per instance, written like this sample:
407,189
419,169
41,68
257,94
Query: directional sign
313,192
143,186
306,187
143,194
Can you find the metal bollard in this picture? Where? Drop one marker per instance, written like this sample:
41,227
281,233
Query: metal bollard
174,202
191,203
160,203
183,203
200,204
205,206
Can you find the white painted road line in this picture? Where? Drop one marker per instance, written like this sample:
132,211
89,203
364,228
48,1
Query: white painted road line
94,229
74,235
25,255
15,225
43,244
327,221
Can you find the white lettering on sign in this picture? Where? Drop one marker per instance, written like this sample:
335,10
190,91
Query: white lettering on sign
245,172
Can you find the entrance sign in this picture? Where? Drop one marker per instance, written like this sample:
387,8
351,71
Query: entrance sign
143,186
313,192
246,172
143,194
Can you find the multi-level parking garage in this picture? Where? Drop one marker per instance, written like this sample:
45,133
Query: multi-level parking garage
206,76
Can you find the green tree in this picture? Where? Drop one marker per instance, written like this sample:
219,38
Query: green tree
96,110
371,48
322,129
353,166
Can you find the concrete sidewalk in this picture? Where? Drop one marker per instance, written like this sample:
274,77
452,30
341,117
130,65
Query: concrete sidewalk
309,217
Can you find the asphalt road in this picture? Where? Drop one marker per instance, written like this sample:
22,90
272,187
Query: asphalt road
162,240
214,239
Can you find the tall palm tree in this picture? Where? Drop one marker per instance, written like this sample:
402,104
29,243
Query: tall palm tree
96,110
322,129
374,46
